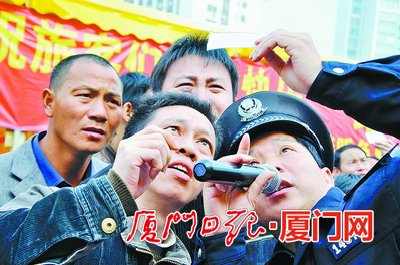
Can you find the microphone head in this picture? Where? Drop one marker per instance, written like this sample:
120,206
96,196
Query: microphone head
200,170
274,183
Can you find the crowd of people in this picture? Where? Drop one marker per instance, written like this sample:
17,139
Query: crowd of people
120,147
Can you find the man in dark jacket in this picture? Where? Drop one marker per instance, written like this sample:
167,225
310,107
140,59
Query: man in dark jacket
288,134
355,88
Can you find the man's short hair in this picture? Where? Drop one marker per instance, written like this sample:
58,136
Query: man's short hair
148,105
135,85
341,150
60,71
192,45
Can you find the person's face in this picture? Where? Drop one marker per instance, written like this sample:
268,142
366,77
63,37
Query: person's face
208,79
353,161
86,109
194,136
303,182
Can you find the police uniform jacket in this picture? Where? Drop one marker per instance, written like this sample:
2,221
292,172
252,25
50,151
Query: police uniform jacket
368,92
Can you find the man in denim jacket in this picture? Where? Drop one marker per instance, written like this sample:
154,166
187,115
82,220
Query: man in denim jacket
92,223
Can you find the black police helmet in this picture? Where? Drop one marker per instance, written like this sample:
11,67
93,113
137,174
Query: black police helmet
263,112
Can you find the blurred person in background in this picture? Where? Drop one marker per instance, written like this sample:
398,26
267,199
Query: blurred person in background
135,86
351,159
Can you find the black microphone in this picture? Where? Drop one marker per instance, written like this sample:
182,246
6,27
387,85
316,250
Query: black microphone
234,174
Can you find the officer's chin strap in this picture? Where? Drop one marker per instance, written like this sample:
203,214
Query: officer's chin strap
394,152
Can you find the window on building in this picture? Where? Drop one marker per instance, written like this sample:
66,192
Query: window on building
354,31
224,17
170,6
160,4
352,54
390,4
384,39
383,50
387,27
225,12
355,21
212,9
352,49
212,13
356,9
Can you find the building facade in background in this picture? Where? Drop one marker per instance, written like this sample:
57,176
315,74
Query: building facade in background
353,29
367,29
232,13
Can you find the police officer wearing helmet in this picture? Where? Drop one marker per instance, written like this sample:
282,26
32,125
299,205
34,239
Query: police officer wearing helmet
287,133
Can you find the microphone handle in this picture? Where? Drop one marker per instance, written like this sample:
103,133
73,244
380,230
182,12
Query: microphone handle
226,173
235,174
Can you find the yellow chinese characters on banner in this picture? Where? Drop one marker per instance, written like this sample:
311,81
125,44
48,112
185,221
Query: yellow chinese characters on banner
40,43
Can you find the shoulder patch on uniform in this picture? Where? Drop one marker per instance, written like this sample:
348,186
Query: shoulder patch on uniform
338,249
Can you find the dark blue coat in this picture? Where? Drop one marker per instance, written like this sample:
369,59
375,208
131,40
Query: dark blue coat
370,93
379,192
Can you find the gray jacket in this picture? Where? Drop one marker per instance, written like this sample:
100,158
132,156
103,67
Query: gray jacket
19,171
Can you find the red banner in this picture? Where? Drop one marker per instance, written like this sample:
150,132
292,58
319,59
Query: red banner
31,44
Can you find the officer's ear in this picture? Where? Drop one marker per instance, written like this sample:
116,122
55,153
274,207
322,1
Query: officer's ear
328,175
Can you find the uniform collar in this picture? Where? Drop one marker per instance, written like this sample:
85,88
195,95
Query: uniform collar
281,256
332,201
